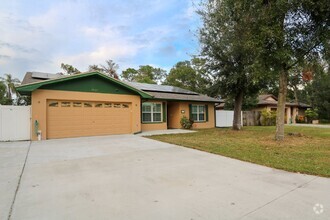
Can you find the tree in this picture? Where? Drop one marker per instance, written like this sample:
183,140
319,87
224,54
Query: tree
188,75
228,45
10,84
129,74
69,69
319,91
249,102
290,33
145,74
110,69
3,91
23,100
94,68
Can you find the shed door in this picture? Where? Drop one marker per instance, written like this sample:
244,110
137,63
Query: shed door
81,118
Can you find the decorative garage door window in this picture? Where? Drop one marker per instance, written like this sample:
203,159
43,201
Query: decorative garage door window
65,104
107,105
77,104
198,112
87,104
151,112
53,104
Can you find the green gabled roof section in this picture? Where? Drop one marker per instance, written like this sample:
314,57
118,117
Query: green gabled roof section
83,82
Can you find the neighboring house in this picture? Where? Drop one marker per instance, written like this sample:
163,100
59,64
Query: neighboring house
89,104
269,102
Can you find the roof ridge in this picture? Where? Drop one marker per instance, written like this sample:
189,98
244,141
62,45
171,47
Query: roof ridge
33,86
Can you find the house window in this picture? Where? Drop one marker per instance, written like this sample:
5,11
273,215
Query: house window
198,112
151,112
98,105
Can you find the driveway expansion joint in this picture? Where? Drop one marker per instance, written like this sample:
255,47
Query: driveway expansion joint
279,197
19,182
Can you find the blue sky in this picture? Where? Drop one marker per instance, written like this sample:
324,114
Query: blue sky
40,35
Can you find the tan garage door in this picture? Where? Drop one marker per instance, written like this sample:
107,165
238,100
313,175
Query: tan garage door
81,118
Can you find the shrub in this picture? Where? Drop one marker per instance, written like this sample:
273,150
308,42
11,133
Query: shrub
186,123
311,115
324,121
268,118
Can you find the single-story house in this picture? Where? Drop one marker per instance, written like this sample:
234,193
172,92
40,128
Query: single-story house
90,104
269,102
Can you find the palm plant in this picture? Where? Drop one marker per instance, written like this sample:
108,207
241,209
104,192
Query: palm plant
10,83
110,69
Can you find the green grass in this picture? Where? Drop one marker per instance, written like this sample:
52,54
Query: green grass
308,151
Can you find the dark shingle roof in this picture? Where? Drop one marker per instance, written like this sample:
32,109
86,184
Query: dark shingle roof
157,91
262,100
32,77
26,89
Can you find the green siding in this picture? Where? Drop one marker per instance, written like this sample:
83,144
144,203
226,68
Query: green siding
89,84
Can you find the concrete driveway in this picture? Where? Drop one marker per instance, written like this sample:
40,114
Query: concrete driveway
130,177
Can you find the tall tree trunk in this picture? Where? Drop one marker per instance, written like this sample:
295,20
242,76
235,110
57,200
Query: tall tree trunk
295,90
280,114
237,122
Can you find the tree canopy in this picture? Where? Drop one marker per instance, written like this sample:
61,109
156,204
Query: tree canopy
242,39
189,75
291,34
69,69
228,44
3,91
109,69
145,74
9,82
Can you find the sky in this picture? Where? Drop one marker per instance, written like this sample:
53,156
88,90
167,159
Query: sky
40,35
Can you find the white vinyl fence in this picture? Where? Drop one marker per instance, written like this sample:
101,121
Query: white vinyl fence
15,123
224,118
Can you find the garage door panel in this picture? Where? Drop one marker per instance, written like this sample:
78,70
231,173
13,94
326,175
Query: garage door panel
77,120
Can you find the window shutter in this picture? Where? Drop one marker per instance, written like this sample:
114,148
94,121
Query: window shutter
206,112
164,112
190,112
141,111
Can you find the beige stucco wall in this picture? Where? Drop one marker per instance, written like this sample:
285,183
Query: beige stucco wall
154,126
40,97
176,114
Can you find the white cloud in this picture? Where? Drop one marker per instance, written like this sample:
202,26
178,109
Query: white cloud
81,33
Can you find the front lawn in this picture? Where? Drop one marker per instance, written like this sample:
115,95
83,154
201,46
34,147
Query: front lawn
306,150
